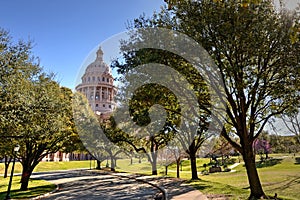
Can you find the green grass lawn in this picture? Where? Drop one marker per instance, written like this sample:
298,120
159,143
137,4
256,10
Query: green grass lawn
36,188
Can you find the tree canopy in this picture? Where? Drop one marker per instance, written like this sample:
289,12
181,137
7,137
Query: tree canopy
35,112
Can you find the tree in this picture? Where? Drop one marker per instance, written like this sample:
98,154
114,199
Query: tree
261,147
188,124
292,123
95,134
146,141
222,148
248,41
256,51
46,122
16,67
88,128
6,154
35,112
172,154
166,158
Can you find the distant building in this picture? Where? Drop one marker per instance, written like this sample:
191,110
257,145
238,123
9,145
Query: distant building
60,156
97,84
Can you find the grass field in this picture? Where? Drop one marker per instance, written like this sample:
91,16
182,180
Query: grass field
283,177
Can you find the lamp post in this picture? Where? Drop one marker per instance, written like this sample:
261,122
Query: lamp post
16,149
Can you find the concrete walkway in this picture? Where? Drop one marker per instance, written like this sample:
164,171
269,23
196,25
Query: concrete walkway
80,184
175,189
233,166
93,184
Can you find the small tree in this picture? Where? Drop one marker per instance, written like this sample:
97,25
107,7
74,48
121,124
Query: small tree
6,154
292,123
261,147
178,154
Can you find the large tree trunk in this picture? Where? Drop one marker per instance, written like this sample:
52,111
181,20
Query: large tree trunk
192,154
98,164
193,165
112,164
153,163
26,173
253,178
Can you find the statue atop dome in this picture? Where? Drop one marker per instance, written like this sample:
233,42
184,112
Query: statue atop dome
99,54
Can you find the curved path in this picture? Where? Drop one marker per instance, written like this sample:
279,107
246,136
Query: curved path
77,184
86,184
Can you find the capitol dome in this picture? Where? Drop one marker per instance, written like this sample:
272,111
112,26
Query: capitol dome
98,85
98,66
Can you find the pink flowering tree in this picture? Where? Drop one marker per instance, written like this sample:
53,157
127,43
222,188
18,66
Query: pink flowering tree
262,146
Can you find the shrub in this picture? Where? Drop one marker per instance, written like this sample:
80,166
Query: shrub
227,169
231,161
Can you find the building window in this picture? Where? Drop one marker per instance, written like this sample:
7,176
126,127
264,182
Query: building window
103,105
93,79
103,79
97,96
107,80
97,105
99,79
89,79
109,106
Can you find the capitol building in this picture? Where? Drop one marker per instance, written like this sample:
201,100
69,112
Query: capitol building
97,84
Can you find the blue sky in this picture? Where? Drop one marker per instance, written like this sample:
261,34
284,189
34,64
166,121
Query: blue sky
65,31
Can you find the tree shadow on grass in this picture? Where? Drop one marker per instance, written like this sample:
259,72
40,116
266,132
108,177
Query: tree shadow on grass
289,183
216,188
268,163
200,184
